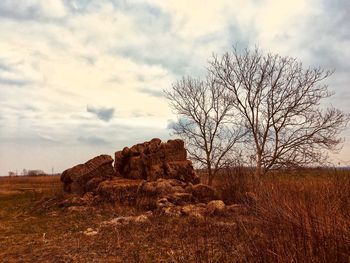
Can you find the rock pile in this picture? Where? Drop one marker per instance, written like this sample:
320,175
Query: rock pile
86,177
153,160
153,175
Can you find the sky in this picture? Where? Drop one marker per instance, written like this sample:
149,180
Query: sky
79,78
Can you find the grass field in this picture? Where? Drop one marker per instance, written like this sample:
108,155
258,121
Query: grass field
290,217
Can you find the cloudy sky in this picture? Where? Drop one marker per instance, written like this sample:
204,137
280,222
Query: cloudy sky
84,77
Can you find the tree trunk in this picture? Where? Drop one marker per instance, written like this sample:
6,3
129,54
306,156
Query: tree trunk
210,176
258,169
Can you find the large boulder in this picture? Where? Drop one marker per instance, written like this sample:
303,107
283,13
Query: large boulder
215,207
86,177
119,190
192,210
154,194
153,160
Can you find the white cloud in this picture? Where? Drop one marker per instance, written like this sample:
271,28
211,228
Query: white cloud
58,57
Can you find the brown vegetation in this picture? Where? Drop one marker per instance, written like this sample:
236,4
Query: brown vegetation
291,217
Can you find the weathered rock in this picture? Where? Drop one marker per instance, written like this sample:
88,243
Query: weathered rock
78,209
215,207
92,184
152,175
124,220
163,203
181,198
90,232
196,211
204,193
119,190
153,194
162,187
153,160
86,177
172,211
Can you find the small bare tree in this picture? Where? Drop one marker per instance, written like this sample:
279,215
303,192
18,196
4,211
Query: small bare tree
203,110
279,103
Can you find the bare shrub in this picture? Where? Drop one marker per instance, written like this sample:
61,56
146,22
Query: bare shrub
303,219
234,183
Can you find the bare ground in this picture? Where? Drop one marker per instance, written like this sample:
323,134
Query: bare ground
31,234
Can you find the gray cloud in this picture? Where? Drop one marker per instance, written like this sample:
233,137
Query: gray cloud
13,82
337,14
150,19
31,10
29,139
164,54
8,68
327,33
20,107
94,140
152,92
171,124
88,60
105,114
161,46
325,45
114,79
5,67
138,114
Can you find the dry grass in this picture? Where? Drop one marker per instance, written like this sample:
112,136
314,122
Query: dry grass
300,216
296,217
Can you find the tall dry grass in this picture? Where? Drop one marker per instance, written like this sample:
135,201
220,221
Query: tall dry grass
302,216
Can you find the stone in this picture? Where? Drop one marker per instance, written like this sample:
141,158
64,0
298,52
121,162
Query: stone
141,219
85,177
215,207
90,232
153,160
181,198
160,193
78,209
119,190
162,187
163,203
193,210
153,175
125,220
180,170
171,211
204,193
92,184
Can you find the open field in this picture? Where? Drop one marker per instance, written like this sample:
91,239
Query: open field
296,217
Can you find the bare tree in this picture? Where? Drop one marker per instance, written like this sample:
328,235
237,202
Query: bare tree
279,104
203,108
